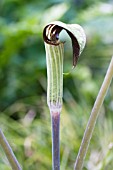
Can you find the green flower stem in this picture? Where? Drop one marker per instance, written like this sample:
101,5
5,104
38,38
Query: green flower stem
9,153
54,58
93,117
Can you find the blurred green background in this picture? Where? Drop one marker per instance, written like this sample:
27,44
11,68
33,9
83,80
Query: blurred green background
24,115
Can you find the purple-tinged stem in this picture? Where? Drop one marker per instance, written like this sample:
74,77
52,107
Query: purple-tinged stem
55,123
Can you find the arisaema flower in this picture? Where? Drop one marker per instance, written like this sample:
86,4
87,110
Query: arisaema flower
54,56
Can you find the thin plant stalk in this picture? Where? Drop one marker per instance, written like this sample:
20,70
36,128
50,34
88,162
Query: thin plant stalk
55,121
9,153
93,117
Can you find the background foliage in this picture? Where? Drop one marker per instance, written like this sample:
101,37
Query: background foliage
24,116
